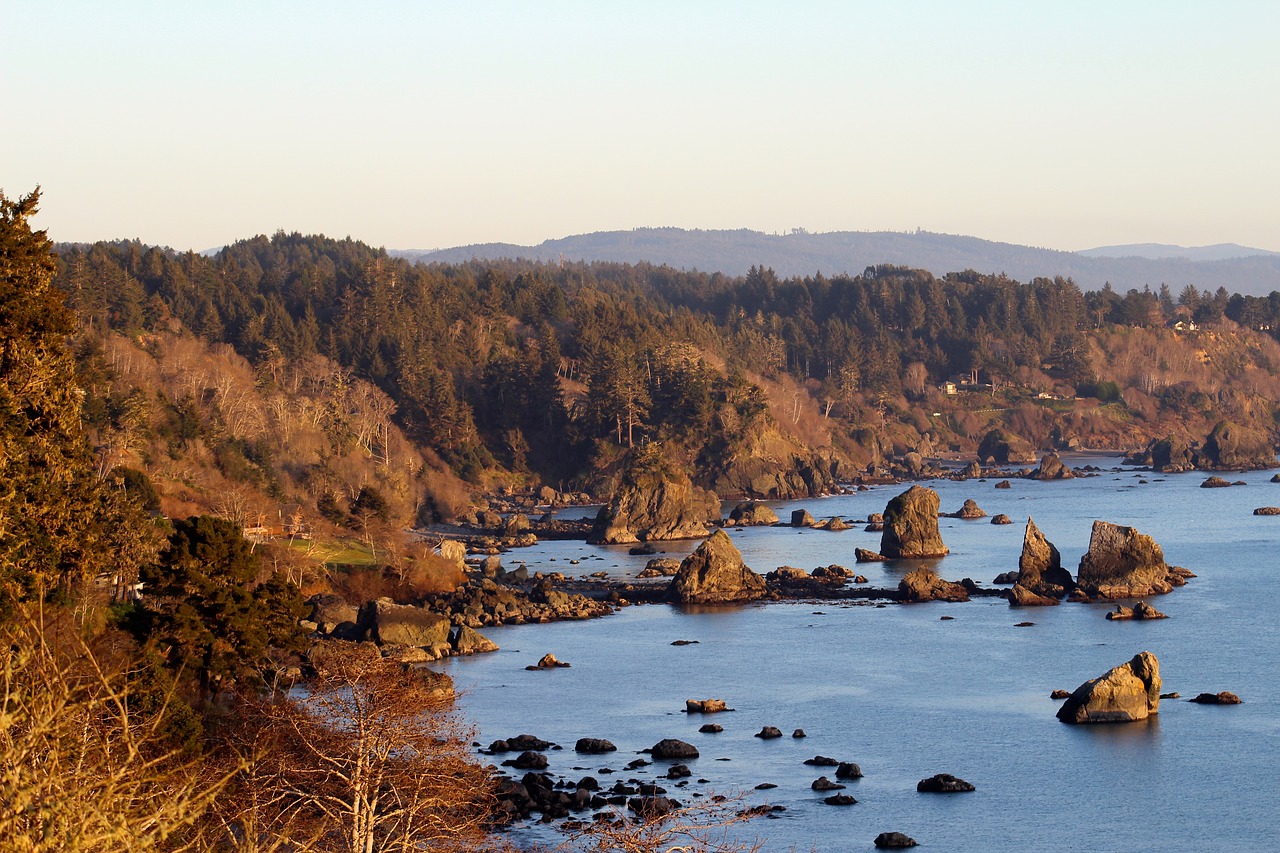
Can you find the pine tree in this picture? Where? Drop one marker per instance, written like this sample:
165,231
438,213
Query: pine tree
60,524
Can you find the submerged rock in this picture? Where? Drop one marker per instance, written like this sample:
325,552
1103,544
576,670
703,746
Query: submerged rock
1126,693
1123,563
715,574
911,525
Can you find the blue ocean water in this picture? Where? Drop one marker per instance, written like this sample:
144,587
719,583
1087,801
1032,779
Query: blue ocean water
907,694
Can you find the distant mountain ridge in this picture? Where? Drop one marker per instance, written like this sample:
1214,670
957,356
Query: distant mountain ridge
801,253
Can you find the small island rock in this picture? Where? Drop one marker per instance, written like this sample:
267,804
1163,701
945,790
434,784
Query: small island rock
1126,693
715,574
911,525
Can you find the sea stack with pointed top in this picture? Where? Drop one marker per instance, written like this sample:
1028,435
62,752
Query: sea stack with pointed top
911,525
715,574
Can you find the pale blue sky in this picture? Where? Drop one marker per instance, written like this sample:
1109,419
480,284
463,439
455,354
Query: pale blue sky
424,124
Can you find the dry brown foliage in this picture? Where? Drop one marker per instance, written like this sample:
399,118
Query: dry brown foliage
702,827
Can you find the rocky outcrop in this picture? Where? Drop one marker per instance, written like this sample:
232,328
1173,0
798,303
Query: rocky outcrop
911,525
1001,518
1020,596
670,748
925,585
1141,610
862,555
333,616
1123,563
751,513
944,783
1126,693
1231,447
715,574
705,706
655,500
484,601
970,509
1005,448
1215,482
769,465
1226,697
468,641
894,841
1051,468
801,518
1040,565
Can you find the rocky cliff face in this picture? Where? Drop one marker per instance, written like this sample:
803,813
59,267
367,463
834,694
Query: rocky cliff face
715,574
911,525
1126,693
655,500
1005,448
1123,563
773,466
1227,447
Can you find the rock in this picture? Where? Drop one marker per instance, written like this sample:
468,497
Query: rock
715,574
468,641
911,525
1120,613
1230,446
822,783
1223,698
787,573
594,746
1060,694
1004,484
971,471
1001,519
835,524
710,729
839,800
453,551
925,585
679,771
1122,563
1020,596
751,513
1142,610
1215,482
833,572
331,611
660,567
1051,468
768,733
1126,693
548,661
394,624
672,748
645,550
1040,565
1004,448
893,841
821,761
848,770
801,518
943,783
970,509
913,463
862,555
655,500
1267,510
528,761
876,518
704,706
798,734
1006,578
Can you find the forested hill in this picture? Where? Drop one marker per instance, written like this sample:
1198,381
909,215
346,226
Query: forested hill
801,253
323,374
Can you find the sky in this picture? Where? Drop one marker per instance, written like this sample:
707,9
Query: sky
433,124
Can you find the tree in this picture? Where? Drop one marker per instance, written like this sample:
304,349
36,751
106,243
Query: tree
206,607
60,524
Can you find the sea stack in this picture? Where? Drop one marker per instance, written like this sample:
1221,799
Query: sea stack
911,525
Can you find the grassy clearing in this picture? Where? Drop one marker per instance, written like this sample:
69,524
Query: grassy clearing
344,552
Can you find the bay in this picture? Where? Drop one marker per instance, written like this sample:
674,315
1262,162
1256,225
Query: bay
907,694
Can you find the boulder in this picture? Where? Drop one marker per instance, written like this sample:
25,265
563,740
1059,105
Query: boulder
1051,468
1142,610
1004,484
1224,698
893,841
801,518
1128,692
848,770
593,746
331,611
833,572
704,706
1267,510
1040,565
1122,563
970,509
710,729
787,573
1215,482
655,500
469,641
388,623
660,567
1020,596
1005,448
839,800
453,551
1001,518
925,585
1230,446
911,525
751,513
862,555
971,471
1171,454
768,733
944,783
670,748
548,661
1005,578
715,574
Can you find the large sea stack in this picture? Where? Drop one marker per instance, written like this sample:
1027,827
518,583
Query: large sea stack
1127,693
715,574
1040,566
1231,447
655,500
1122,563
911,525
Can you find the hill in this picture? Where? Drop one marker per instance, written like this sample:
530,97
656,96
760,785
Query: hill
801,253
